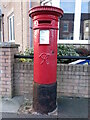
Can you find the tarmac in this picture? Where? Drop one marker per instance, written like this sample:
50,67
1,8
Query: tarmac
67,108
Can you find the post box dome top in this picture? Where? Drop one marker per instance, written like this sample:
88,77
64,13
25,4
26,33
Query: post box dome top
45,10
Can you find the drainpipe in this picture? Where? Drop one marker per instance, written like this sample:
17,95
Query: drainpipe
2,27
30,21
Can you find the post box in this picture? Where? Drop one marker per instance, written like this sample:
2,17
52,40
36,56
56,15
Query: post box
45,26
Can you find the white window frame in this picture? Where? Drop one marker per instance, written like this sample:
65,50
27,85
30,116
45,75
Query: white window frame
11,31
77,16
77,21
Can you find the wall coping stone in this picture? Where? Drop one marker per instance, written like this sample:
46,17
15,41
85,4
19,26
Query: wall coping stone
8,45
80,65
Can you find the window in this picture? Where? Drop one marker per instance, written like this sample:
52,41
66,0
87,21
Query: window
77,13
11,29
86,32
85,20
66,23
65,27
87,27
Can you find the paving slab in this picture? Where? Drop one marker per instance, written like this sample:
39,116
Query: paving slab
11,105
73,107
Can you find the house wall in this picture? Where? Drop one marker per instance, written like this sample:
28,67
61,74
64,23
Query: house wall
21,21
20,11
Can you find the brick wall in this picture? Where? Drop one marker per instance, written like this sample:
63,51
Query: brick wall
72,80
23,79
7,51
17,78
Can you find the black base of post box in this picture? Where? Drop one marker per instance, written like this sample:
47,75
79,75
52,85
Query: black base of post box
44,98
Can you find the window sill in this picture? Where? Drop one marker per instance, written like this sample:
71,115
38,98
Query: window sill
83,42
12,41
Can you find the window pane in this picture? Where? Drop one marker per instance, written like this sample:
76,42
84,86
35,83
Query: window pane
66,25
85,20
10,29
13,29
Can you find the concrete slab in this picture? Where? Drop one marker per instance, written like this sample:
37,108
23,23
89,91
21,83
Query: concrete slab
11,105
67,108
73,107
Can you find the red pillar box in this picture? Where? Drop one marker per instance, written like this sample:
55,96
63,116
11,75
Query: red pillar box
45,26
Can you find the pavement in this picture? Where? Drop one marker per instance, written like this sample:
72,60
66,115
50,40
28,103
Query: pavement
67,108
11,105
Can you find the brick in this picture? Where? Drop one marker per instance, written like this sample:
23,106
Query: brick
85,68
6,79
88,68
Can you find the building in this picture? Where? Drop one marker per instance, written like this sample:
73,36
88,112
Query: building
16,24
87,29
66,26
72,28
